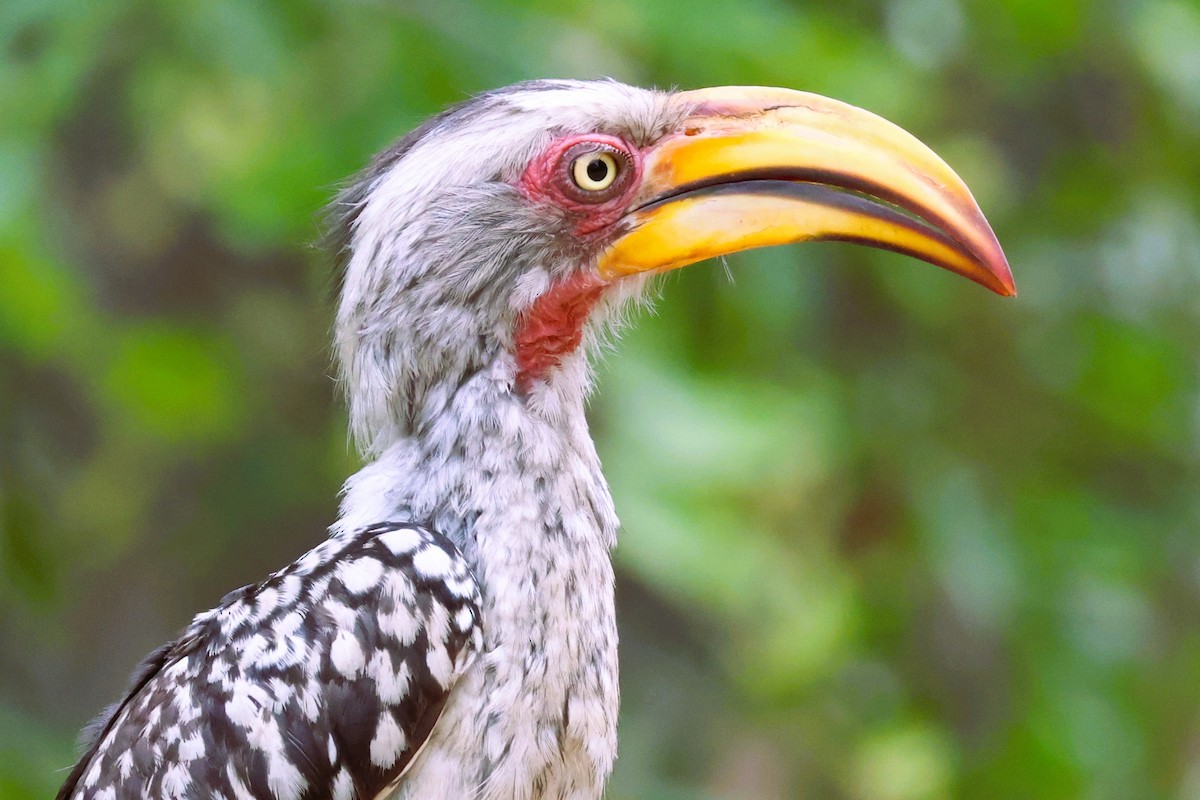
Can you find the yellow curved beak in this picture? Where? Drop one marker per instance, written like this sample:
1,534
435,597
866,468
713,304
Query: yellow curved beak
752,166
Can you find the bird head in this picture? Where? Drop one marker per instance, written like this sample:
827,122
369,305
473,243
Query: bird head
493,242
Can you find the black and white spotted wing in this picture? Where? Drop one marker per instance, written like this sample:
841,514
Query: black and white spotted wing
320,682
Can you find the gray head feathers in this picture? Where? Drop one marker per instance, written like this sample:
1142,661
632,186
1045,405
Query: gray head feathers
440,252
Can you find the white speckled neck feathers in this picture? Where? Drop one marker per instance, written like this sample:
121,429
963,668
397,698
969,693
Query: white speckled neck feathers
521,494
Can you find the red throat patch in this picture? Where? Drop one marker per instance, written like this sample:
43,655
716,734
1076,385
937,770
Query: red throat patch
553,327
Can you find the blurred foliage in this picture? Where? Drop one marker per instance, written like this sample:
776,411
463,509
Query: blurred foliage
886,537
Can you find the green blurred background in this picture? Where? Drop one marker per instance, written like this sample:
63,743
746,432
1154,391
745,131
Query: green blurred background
886,536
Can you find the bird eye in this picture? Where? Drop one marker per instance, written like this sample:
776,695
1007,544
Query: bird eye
594,172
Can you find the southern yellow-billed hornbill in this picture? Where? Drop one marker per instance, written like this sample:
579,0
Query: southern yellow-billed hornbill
455,637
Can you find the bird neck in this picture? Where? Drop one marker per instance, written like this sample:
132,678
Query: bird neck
489,459
514,481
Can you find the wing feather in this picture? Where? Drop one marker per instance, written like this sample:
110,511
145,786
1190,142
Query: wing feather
323,681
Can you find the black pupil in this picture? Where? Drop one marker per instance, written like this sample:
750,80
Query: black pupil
597,170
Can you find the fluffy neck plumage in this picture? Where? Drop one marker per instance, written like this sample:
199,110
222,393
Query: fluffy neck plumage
515,482
482,433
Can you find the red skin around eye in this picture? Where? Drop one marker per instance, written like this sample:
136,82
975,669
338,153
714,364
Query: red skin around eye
552,327
541,182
